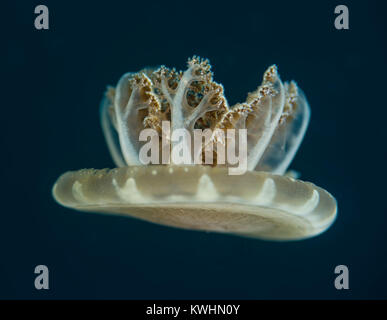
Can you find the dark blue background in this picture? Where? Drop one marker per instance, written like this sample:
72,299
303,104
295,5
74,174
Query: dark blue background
52,83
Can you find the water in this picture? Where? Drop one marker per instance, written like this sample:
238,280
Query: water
54,80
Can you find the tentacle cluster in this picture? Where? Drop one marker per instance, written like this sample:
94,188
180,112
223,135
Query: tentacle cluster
275,115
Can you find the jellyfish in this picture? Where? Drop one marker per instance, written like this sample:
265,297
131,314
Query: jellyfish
265,201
